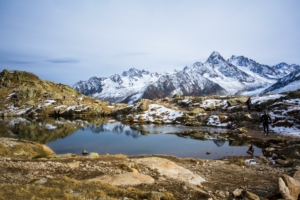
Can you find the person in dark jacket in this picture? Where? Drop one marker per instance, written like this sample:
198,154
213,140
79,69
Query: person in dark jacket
266,119
248,103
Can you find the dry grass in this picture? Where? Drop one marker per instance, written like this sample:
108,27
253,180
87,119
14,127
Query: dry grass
66,188
14,148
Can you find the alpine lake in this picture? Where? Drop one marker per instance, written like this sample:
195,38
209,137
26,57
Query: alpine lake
108,136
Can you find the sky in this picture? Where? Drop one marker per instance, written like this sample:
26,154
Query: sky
72,40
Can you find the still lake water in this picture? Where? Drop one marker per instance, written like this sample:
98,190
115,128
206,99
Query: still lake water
117,138
112,137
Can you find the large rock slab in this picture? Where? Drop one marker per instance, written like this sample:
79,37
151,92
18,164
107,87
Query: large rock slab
125,179
284,190
171,170
293,185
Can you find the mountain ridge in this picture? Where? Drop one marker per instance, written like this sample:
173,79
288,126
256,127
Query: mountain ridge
216,75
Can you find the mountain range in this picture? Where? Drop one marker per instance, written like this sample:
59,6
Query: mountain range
216,76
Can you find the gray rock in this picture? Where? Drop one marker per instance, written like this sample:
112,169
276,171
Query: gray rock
84,152
40,182
250,195
237,192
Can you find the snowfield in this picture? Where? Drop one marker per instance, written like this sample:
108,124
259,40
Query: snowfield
159,112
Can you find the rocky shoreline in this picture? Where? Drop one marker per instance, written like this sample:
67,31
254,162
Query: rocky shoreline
145,177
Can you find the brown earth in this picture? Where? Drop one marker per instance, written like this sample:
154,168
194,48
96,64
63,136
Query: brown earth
78,177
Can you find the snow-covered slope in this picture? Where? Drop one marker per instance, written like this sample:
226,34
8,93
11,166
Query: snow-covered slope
290,82
127,87
237,75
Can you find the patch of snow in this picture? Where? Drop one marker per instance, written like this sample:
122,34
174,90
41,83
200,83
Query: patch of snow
214,120
58,107
159,112
17,110
186,101
261,99
293,131
251,162
110,106
50,127
216,103
8,96
17,121
290,87
49,102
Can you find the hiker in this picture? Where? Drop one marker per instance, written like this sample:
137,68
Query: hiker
266,119
251,150
248,103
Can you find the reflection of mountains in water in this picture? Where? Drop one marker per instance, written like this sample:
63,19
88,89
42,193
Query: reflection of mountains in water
42,130
116,127
219,143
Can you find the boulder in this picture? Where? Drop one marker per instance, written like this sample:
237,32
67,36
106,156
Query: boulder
296,175
284,190
293,186
93,155
171,170
125,179
250,195
237,192
197,189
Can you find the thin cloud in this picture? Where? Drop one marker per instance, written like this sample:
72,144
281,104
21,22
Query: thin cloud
63,60
18,62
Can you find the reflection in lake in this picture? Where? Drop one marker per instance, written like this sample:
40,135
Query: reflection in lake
104,136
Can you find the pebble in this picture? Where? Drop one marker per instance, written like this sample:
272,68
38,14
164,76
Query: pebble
41,181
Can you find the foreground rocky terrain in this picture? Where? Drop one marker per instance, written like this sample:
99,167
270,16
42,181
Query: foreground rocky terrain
32,171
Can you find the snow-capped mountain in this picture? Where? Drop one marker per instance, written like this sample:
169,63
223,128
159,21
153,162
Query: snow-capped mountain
236,75
128,87
290,82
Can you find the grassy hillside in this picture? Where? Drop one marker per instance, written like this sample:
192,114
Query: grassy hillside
24,94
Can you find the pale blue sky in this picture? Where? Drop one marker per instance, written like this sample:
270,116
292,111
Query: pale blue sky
71,40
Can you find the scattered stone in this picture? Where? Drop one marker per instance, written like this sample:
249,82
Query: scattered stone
84,152
155,195
282,162
40,181
250,195
21,153
237,192
197,189
93,155
73,165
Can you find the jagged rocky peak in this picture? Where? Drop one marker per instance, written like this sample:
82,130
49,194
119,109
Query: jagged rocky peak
286,67
215,58
134,72
240,60
186,68
280,65
116,78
